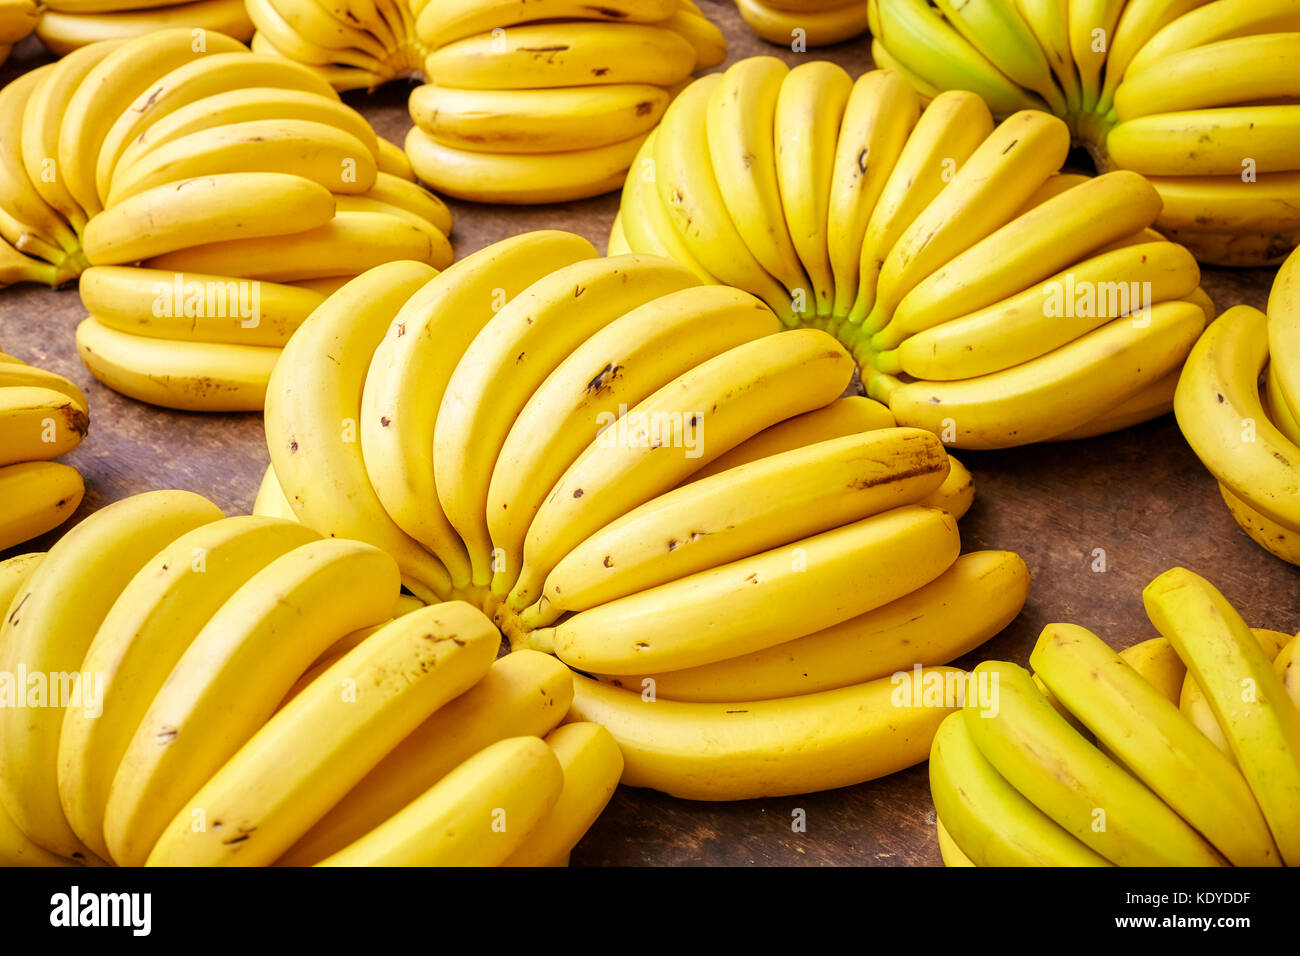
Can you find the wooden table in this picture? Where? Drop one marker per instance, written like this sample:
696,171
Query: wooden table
1140,496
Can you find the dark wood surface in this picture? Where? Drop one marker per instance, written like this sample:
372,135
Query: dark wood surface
1140,496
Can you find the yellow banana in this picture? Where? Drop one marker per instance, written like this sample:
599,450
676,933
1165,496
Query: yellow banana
441,23
38,423
1208,142
1196,706
64,32
812,27
1158,664
997,30
645,219
19,197
1212,22
38,496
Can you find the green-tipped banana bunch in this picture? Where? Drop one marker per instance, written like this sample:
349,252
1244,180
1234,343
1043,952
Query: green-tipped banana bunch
1237,405
986,296
218,194
204,690
1183,750
68,25
799,24
42,415
17,19
1200,97
651,479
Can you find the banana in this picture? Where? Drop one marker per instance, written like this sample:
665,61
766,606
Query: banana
1064,389
191,376
45,634
1002,172
537,121
42,120
694,203
1053,236
592,765
1139,21
1156,661
16,267
199,307
1211,22
917,35
38,496
1092,27
950,129
576,53
519,177
998,31
645,219
350,243
1287,667
1148,734
1251,68
523,694
449,20
881,112
1219,411
243,105
19,197
17,19
205,209
809,112
1036,750
617,367
149,627
64,32
38,423
812,27
1196,706
1225,658
315,25
1275,403
478,815
841,418
231,676
979,595
949,851
404,193
394,162
328,737
750,509
506,363
1208,142
1284,334
15,373
1049,314
324,154
313,411
1278,540
770,748
342,67
674,432
413,363
989,819
193,82
702,34
741,115
762,600
114,82
1143,405
616,244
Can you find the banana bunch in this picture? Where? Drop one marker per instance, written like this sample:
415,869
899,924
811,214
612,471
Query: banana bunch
1200,97
205,690
1183,750
42,415
814,22
1237,404
649,478
17,19
67,25
986,296
210,197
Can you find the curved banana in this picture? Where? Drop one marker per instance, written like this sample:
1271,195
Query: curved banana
645,220
38,496
19,197
1159,665
1196,706
771,748
1208,142
1212,22
38,423
64,32
448,20
997,30
812,27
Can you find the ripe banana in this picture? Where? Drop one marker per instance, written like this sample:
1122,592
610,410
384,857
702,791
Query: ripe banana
149,627
813,27
1208,142
38,496
771,748
45,635
313,414
39,423
477,815
449,20
1159,665
329,736
1245,693
645,220
64,32
231,676
19,197
1196,706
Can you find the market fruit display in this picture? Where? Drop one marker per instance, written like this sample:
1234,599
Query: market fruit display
535,102
1199,97
67,25
1090,762
985,295
651,479
804,23
42,416
1236,403
213,689
17,20
209,197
